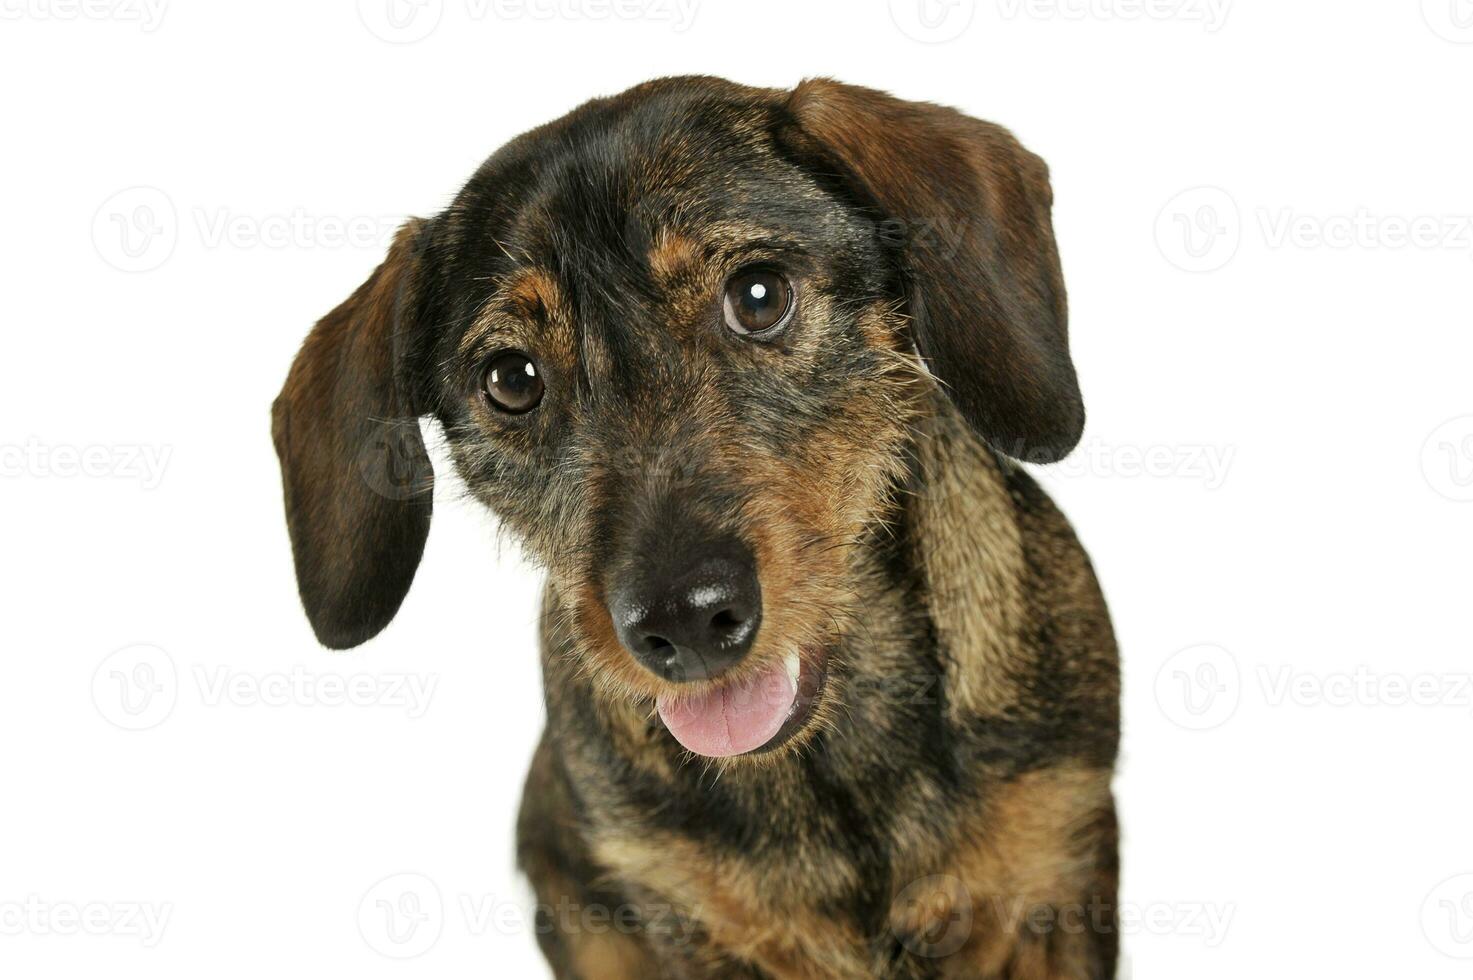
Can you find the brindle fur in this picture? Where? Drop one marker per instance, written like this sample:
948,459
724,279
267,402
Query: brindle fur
947,810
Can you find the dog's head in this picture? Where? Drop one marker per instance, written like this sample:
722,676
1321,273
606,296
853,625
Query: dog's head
678,341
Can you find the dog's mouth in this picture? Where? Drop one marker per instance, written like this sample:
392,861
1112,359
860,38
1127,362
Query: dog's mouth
754,713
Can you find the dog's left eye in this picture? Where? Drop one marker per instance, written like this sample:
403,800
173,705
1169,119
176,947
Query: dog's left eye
757,301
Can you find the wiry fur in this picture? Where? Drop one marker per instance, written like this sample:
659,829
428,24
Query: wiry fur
946,809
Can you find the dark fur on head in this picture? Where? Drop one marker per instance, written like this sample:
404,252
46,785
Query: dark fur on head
959,750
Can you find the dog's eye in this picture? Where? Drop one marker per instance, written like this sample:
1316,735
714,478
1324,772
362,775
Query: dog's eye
757,300
512,382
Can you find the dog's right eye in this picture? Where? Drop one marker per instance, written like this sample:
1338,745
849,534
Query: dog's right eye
512,382
757,301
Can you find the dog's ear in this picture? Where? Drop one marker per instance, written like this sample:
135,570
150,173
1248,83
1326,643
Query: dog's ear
985,289
356,477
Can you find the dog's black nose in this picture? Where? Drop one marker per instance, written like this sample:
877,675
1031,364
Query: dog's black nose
691,620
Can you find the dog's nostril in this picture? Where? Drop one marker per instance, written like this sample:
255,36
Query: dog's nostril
658,644
726,621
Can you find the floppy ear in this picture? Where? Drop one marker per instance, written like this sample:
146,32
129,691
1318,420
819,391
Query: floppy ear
356,477
986,292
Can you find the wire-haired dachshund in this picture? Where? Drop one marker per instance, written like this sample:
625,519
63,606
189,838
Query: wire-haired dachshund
831,688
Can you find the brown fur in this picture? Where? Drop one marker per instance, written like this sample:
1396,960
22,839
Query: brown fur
944,809
343,407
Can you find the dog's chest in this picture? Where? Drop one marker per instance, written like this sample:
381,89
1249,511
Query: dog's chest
797,885
784,912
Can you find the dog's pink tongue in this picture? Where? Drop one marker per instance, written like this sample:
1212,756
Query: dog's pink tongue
733,718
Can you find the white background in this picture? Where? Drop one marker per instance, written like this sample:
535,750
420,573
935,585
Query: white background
1275,483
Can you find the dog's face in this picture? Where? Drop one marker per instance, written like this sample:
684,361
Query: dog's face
672,341
679,374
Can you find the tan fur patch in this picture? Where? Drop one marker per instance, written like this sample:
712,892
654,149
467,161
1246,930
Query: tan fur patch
528,294
747,910
533,290
1024,857
1027,840
973,559
612,956
672,255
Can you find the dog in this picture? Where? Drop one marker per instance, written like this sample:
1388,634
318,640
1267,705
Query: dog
831,688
